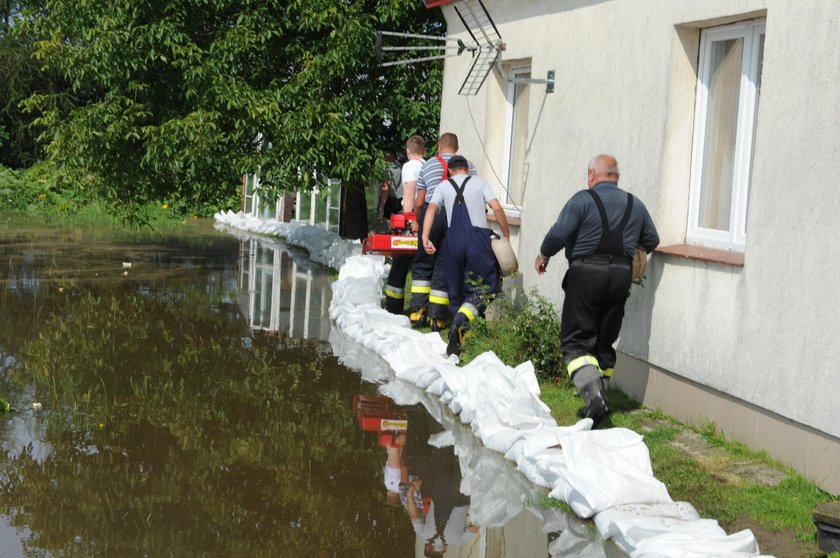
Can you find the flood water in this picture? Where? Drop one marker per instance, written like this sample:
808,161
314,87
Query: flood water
185,396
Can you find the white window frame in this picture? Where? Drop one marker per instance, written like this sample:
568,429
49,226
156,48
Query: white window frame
735,238
518,71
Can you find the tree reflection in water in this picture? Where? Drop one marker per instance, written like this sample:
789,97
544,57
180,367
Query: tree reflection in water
169,427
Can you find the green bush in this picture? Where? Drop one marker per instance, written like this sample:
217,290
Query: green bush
519,333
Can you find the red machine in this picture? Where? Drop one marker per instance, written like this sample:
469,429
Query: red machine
375,414
397,240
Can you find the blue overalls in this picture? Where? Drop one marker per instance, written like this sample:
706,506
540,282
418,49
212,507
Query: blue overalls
469,266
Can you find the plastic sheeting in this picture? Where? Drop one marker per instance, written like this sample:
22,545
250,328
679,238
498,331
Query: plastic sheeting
603,474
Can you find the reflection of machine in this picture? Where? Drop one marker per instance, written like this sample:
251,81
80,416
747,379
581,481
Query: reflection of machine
376,414
394,238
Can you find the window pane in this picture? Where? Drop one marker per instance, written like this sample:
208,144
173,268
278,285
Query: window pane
755,114
721,127
518,141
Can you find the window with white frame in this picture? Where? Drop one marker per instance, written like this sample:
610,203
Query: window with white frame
516,137
728,87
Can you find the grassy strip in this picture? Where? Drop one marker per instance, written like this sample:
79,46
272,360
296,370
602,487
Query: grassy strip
779,513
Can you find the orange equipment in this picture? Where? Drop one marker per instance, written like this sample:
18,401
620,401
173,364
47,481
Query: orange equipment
376,414
393,239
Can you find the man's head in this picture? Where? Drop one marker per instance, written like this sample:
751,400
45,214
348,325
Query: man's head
448,143
415,145
603,168
458,165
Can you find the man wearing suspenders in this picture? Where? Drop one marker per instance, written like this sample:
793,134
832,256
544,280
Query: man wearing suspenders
429,299
469,264
600,229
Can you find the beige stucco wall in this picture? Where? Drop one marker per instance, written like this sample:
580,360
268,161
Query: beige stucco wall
765,333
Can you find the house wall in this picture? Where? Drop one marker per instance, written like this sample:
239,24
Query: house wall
762,335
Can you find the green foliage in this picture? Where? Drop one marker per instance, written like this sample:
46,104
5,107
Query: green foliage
174,100
530,332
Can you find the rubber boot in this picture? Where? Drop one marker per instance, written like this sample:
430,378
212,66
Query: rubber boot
587,380
456,334
605,386
419,318
437,324
394,303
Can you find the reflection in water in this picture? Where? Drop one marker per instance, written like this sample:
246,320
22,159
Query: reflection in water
160,431
172,422
280,292
492,510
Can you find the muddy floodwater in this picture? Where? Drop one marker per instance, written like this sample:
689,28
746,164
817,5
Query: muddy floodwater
181,396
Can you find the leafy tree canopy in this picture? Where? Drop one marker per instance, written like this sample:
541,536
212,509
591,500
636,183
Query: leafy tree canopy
175,99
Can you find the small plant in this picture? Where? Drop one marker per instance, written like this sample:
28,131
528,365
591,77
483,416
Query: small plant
519,333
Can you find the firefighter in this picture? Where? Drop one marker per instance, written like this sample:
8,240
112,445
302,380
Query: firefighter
469,264
415,149
600,228
429,299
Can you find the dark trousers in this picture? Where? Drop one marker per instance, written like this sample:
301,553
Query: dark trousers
427,269
395,288
470,266
593,309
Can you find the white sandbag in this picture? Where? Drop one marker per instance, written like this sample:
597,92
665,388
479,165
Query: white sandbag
607,468
685,545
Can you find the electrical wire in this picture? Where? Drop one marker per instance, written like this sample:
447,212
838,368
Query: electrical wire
486,155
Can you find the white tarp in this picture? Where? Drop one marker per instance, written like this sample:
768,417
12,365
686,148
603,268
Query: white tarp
598,473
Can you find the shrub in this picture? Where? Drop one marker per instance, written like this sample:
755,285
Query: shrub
518,333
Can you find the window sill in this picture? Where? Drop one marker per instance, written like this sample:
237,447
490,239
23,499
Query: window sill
512,221
703,253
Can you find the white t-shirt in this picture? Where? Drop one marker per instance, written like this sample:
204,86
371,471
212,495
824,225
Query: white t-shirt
477,195
411,170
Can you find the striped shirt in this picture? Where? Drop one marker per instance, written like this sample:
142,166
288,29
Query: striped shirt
431,174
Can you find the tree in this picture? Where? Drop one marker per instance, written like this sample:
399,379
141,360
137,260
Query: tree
20,77
175,99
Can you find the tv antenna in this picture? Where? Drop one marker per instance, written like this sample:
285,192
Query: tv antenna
486,48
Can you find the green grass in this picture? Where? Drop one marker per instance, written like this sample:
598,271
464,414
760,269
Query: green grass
782,513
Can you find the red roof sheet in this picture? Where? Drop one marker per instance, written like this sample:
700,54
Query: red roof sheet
435,3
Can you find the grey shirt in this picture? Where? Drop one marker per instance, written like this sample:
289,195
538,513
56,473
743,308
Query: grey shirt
578,228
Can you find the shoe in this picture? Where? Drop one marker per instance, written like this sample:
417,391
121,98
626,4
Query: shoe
419,318
597,407
437,324
455,339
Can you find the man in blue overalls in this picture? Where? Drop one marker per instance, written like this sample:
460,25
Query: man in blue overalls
469,263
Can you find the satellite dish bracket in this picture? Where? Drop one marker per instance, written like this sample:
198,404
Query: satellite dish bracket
548,81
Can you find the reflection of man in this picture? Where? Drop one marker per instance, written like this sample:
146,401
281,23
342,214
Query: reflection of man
440,520
600,229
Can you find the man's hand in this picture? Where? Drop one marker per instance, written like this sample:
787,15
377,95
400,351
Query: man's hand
541,263
428,246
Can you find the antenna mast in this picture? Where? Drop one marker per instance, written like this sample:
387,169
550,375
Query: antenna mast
486,48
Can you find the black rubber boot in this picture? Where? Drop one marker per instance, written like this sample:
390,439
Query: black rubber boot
456,334
587,380
596,404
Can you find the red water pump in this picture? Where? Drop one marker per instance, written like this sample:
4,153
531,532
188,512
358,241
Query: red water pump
394,238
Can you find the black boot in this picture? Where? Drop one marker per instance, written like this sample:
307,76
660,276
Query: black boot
587,380
596,404
456,334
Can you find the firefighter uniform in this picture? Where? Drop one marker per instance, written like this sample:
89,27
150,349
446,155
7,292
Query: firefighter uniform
469,264
429,293
600,229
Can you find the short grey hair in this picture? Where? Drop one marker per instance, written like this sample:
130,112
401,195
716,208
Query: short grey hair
601,167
